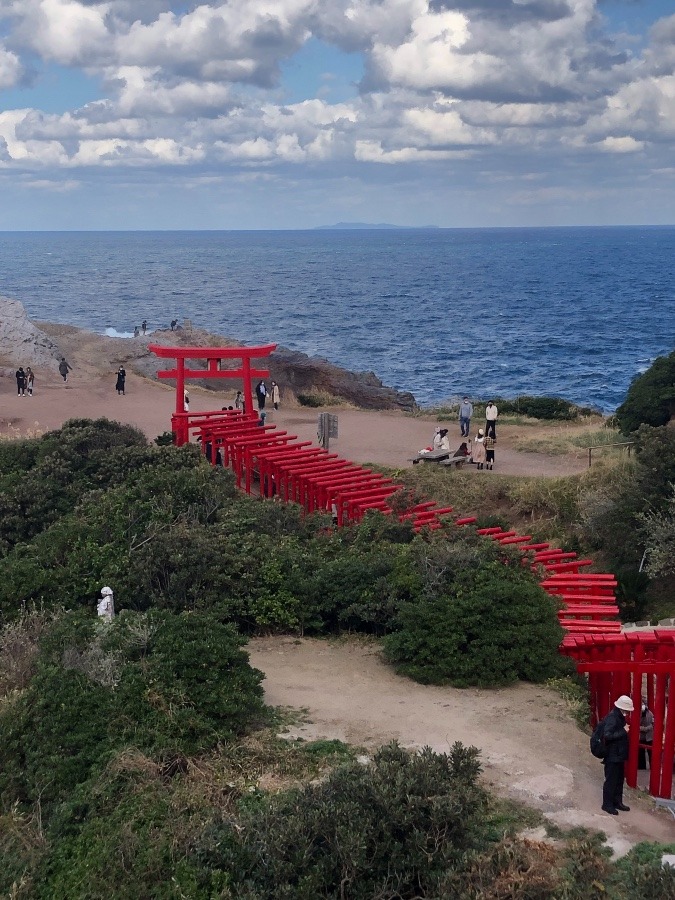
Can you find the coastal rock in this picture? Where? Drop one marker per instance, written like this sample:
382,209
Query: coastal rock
25,343
302,374
295,373
22,342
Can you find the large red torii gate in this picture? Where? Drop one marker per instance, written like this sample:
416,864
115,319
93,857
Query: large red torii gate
213,357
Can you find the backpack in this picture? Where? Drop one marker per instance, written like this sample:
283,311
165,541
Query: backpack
598,745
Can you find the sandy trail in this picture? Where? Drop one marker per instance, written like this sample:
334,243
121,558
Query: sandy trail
530,747
388,438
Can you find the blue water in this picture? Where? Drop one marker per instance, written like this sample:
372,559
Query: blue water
573,312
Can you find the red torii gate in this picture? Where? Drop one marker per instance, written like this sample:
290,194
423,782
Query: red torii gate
213,357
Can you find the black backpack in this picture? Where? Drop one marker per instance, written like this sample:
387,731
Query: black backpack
598,745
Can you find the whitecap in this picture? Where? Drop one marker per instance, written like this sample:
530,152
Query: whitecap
113,332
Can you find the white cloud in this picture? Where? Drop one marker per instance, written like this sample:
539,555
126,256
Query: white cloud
10,68
64,31
625,144
491,90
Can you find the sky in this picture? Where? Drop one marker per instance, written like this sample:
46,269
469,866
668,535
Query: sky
283,114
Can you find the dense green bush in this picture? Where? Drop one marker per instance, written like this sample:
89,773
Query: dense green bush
160,682
651,397
491,626
615,514
542,408
387,830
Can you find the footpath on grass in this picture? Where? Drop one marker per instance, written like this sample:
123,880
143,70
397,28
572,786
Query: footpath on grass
531,748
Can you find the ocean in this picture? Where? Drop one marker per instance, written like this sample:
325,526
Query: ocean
569,312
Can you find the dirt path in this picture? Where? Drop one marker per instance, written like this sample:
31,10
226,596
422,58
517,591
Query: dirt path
531,749
365,436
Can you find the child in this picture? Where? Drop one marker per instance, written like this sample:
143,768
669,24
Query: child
489,444
479,449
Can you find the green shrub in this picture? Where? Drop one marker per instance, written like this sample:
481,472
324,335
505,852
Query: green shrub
490,627
160,682
387,830
651,397
311,400
550,408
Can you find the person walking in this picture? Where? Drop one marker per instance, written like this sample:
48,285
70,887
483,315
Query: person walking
64,368
615,732
275,395
465,413
121,380
20,382
491,413
478,452
30,380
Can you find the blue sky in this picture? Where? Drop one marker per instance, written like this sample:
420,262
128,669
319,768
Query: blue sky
297,113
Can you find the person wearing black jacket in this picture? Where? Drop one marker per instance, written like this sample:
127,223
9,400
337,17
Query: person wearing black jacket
616,741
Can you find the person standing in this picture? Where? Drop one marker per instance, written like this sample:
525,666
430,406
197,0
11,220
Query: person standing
106,606
489,444
239,401
465,413
186,401
20,382
646,736
121,380
64,368
261,394
478,452
276,397
144,326
30,380
174,322
615,733
491,413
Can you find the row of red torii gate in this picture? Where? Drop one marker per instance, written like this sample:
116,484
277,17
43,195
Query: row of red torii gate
270,461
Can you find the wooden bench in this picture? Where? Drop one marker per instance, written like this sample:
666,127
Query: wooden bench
456,462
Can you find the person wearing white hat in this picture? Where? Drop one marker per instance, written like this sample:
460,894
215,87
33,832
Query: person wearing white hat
106,606
616,732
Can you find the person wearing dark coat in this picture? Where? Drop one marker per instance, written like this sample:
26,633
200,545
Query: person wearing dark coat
261,394
121,380
616,742
21,382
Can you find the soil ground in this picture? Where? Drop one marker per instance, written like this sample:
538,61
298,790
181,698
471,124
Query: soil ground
530,746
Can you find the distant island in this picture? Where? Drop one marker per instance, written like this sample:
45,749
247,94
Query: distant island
380,226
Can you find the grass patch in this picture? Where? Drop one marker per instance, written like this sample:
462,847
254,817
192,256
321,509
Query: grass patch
574,692
560,440
317,399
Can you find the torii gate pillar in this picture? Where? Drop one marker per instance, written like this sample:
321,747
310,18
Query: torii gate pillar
213,356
